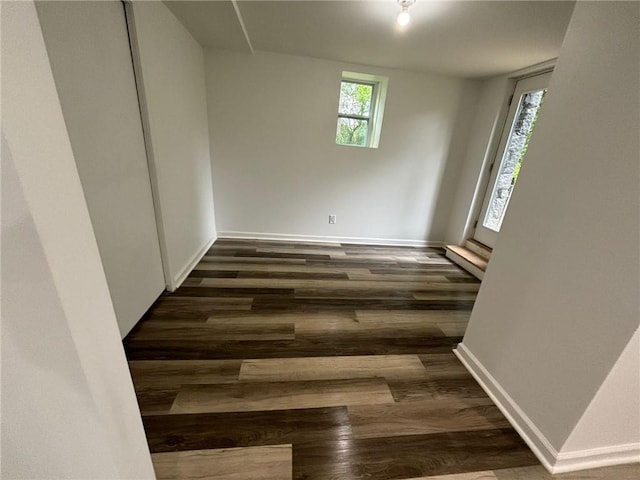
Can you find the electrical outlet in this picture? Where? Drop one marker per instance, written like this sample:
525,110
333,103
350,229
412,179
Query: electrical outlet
332,219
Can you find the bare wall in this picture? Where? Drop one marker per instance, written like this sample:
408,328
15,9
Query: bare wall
559,301
481,150
278,172
89,51
68,405
172,87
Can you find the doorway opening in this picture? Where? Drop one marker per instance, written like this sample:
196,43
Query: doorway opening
524,108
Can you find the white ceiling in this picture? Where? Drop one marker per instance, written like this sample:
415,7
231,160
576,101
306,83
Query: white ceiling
466,38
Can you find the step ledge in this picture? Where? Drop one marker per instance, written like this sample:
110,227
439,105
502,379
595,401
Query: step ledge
464,264
471,257
478,248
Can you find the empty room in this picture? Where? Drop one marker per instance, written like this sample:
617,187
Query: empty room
320,240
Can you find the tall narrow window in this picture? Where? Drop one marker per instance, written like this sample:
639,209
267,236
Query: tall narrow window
516,149
360,109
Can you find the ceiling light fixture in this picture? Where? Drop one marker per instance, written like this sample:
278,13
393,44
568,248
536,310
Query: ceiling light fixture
403,17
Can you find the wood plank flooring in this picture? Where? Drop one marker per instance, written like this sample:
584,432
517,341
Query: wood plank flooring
252,463
311,361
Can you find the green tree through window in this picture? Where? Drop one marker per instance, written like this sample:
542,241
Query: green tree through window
354,113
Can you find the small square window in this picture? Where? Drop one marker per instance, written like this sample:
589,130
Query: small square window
360,109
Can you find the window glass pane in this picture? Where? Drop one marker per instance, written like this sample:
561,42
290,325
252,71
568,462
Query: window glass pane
514,153
352,131
355,99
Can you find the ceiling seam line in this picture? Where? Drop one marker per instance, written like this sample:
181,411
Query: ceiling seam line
242,25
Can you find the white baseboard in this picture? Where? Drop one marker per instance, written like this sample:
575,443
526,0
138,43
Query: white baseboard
177,280
597,458
550,458
538,443
328,239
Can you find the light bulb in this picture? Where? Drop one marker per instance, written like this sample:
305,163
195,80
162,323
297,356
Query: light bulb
404,18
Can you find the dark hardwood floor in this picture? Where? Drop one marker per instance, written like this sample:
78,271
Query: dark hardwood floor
315,362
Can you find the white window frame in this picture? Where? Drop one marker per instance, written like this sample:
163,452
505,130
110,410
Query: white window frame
378,98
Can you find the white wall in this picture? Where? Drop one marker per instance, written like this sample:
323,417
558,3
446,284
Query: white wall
172,87
68,405
559,301
619,392
278,172
89,51
482,144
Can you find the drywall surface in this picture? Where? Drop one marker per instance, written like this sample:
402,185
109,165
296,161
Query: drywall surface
484,136
559,301
278,171
619,392
68,405
173,88
89,51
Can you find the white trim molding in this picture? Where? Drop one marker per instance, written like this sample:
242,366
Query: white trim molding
597,458
533,70
181,277
554,461
291,237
